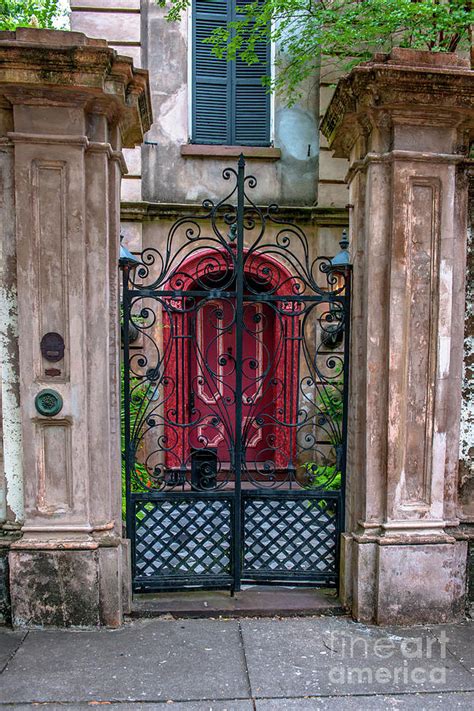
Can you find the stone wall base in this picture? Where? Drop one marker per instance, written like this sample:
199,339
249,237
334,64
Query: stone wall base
66,588
387,584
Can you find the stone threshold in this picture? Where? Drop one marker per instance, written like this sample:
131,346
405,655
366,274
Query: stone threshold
251,601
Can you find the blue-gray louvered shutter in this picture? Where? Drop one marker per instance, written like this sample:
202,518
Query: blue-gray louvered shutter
212,86
251,122
230,105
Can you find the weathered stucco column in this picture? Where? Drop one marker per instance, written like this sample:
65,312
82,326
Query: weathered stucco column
405,121
68,106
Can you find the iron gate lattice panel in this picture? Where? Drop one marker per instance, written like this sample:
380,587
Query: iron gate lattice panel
235,382
291,537
178,538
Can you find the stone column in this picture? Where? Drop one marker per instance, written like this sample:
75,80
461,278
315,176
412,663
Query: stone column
72,104
405,122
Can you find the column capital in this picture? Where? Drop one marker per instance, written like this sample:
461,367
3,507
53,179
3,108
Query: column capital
404,87
50,67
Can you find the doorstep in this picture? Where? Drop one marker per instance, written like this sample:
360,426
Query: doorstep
251,601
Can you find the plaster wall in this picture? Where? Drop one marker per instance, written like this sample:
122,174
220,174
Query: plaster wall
304,174
167,176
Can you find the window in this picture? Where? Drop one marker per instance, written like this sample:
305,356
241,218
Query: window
230,105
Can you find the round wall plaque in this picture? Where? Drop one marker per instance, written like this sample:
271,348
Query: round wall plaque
48,402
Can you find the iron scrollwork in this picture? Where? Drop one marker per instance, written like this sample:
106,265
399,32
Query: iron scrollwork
237,379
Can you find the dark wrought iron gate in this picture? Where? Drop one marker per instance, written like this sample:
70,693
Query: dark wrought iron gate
235,340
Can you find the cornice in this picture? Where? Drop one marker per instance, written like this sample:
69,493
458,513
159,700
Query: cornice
52,67
143,211
433,89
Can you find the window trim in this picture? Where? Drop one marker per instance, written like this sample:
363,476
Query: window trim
216,150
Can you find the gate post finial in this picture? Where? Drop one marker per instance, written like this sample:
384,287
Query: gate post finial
342,258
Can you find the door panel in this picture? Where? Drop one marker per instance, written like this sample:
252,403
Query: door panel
213,378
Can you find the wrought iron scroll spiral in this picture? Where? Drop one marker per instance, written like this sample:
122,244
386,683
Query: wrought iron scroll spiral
183,391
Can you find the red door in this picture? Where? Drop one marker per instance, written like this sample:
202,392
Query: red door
213,380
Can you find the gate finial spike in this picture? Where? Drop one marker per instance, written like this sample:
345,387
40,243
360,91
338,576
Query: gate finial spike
127,259
343,258
344,243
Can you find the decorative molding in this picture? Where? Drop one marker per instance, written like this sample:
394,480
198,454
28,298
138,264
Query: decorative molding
198,150
424,80
415,276
423,255
54,467
49,201
142,211
106,10
48,138
54,545
407,156
81,71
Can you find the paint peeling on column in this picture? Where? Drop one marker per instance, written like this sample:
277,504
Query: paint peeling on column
400,489
444,355
466,453
12,444
438,467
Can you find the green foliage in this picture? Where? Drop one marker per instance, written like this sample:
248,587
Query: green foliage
326,476
331,404
138,396
323,477
348,31
30,13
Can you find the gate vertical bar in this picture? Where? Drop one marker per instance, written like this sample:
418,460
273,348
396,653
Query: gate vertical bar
341,512
129,514
238,374
345,400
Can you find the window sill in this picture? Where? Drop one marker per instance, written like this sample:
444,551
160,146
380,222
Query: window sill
201,150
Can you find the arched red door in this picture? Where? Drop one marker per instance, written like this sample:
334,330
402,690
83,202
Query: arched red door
200,373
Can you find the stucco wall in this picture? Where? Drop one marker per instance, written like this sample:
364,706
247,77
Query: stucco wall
306,168
167,176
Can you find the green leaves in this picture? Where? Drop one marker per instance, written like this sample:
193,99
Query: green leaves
30,13
347,31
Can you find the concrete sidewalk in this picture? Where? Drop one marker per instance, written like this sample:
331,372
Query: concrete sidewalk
299,664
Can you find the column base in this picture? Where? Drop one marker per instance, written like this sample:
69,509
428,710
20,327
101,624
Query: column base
66,588
404,583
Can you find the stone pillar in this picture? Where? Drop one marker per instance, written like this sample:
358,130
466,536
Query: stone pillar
71,103
405,122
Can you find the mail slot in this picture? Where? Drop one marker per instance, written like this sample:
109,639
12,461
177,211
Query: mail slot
52,347
204,469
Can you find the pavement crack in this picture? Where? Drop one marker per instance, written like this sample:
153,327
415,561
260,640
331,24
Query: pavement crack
11,656
458,660
247,673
